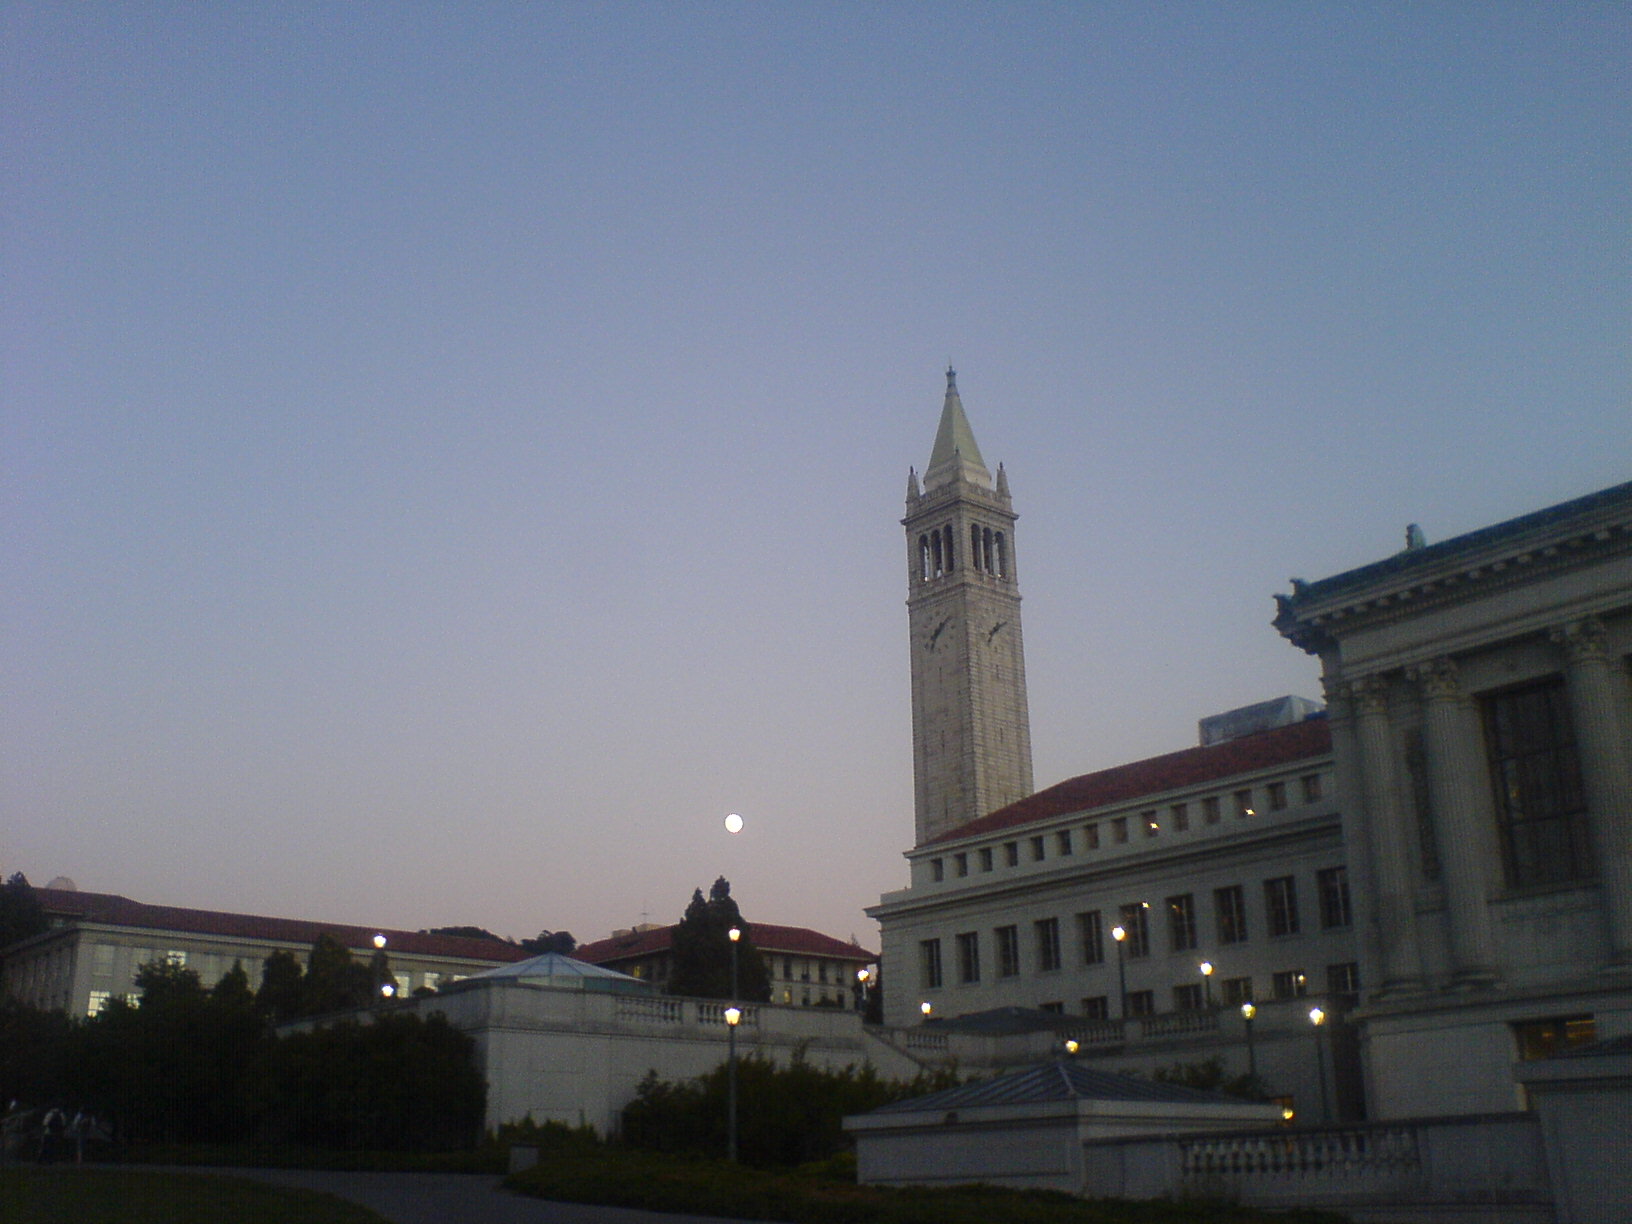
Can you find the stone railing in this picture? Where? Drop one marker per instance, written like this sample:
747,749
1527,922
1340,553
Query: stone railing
1433,1164
1176,1024
1097,1032
917,1039
714,1013
650,1010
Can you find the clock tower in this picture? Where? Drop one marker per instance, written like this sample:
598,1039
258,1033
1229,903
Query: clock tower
971,733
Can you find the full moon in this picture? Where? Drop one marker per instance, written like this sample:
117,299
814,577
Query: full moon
733,823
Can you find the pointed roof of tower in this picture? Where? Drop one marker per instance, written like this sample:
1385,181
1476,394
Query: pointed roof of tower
956,454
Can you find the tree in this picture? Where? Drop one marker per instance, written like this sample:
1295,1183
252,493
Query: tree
467,932
21,914
551,941
702,950
279,996
335,982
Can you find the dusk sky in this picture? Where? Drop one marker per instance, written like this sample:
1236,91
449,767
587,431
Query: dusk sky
454,454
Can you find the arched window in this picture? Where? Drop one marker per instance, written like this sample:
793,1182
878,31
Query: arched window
974,547
924,570
986,549
950,554
1002,557
940,560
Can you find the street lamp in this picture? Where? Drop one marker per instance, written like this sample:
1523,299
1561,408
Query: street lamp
1206,968
1317,1017
1119,934
926,1007
384,988
733,1017
1248,1011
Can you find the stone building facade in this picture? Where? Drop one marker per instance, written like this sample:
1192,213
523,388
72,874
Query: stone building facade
1482,730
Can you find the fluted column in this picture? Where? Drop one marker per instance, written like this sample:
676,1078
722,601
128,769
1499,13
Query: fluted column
1457,784
1357,836
1601,735
1391,864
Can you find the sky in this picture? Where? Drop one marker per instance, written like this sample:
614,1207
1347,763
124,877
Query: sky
453,454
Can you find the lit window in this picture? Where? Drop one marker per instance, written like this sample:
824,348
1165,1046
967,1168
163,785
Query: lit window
1152,825
1289,984
98,1000
1136,923
1545,1038
1243,803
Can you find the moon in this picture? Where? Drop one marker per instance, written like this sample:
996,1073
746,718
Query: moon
733,823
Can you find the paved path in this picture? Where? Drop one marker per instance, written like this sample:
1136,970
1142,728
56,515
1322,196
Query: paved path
453,1198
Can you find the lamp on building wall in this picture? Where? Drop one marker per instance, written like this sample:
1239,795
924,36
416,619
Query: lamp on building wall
1248,1011
1206,968
1317,1017
926,1007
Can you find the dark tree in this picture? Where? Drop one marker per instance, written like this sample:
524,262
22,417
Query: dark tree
468,932
279,995
561,942
21,914
334,981
702,951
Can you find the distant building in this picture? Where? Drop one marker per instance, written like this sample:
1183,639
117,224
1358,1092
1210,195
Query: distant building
805,967
97,941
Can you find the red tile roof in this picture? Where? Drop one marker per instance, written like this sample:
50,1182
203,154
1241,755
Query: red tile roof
767,937
1172,771
121,911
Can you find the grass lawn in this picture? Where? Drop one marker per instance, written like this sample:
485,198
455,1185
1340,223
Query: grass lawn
135,1196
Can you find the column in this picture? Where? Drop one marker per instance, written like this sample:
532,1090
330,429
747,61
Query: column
1458,786
1590,676
1357,836
1392,871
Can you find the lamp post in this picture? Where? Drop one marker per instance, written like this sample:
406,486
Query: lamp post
1248,1011
1206,968
733,1017
382,988
1119,934
1317,1017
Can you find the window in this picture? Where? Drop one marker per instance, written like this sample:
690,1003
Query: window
1181,922
787,963
1540,806
1187,997
1277,796
1311,788
969,957
1011,853
1119,830
1343,981
1243,803
1209,809
1090,834
960,864
1236,991
937,870
1142,1003
1281,904
1090,935
985,858
175,957
1063,838
821,971
1048,944
1137,925
432,981
929,962
98,1000
1057,1009
1230,914
1151,825
1037,850
1008,952
102,960
1179,817
1545,1038
1096,1007
1332,883
1289,984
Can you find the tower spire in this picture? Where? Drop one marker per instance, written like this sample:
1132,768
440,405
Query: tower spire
956,455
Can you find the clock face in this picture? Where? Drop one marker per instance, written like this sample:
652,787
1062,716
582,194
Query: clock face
934,635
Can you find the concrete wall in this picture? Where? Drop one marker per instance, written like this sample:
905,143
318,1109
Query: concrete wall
577,1056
